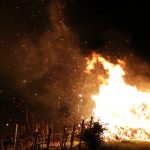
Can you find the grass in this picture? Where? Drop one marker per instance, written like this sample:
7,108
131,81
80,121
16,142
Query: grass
125,145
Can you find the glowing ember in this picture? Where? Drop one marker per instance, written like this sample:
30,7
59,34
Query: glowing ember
122,106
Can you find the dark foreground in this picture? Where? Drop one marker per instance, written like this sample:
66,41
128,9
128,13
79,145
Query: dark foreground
122,145
87,136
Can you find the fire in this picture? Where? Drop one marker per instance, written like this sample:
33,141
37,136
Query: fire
123,107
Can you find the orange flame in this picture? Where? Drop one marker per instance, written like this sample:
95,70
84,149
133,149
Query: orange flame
123,107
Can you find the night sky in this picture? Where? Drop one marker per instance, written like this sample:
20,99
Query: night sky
43,44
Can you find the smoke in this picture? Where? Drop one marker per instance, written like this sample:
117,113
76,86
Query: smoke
43,58
46,72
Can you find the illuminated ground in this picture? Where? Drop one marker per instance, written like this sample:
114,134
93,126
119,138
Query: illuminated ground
126,145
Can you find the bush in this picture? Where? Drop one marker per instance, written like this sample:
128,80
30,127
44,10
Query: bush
93,137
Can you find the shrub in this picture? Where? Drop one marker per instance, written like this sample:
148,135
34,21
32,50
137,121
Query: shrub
93,136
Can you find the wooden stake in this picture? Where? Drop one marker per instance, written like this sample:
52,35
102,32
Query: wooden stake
72,136
64,136
82,129
16,137
35,140
91,121
60,141
49,138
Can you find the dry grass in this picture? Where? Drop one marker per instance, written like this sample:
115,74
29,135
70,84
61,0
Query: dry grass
124,145
127,145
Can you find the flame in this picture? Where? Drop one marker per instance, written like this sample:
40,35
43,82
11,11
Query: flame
123,107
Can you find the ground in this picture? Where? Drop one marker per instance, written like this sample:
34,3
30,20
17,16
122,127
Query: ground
126,145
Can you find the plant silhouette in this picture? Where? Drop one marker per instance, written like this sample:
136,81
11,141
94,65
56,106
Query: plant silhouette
93,136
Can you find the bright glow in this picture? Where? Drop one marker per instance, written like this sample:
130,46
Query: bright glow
125,108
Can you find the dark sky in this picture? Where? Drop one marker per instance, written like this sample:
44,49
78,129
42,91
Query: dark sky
43,45
92,19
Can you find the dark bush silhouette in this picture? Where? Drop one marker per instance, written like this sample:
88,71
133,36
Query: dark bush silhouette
93,137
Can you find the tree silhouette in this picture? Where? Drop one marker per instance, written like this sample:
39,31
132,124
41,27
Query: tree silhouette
93,136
